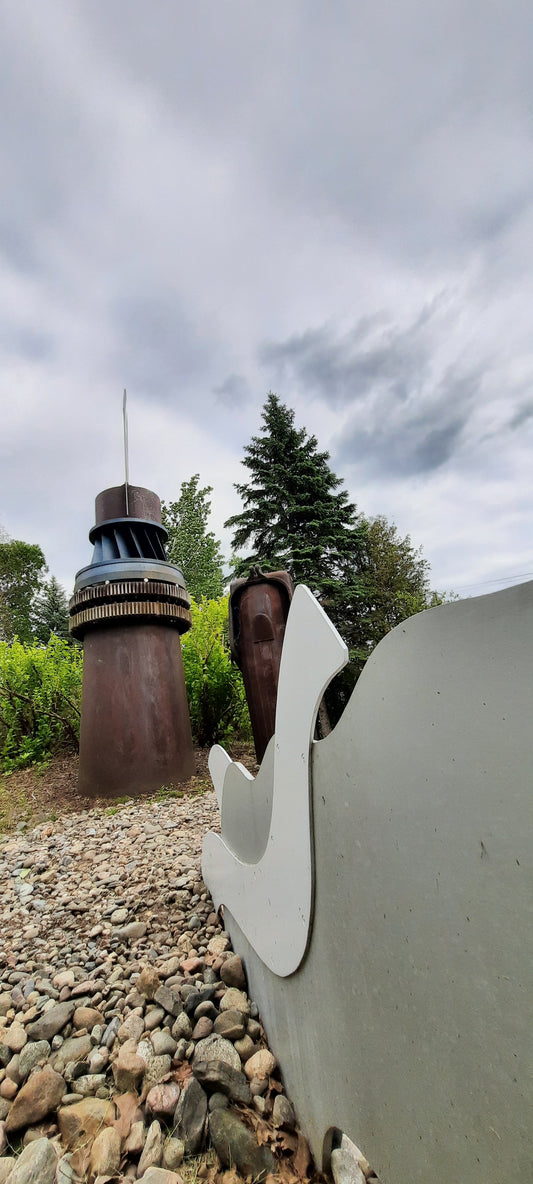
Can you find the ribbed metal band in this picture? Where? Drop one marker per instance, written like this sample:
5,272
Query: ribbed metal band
126,589
122,600
120,570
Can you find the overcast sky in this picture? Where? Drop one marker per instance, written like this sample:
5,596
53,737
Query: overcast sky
204,201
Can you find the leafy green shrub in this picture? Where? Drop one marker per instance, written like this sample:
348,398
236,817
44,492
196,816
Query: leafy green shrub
40,694
40,690
215,689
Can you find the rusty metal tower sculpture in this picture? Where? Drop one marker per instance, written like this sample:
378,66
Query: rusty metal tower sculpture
129,607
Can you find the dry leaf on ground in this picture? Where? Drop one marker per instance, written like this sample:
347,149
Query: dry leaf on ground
302,1159
128,1113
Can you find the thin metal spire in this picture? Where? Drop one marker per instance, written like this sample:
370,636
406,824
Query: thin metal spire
126,458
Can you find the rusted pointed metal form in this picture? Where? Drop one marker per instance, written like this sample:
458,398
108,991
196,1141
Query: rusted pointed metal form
130,607
258,611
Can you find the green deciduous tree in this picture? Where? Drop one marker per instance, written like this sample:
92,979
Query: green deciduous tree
393,584
215,689
21,574
191,546
50,612
40,694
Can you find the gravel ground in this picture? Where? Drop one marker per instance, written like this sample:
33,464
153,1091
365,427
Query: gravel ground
129,1048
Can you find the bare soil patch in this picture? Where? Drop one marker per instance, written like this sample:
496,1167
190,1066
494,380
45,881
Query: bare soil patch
43,794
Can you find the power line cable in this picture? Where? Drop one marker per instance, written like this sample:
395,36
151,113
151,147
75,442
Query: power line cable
524,575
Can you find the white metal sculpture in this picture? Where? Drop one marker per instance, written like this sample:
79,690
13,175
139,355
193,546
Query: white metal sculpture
409,833
267,884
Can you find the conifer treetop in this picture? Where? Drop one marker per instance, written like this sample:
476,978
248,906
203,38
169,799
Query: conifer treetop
295,514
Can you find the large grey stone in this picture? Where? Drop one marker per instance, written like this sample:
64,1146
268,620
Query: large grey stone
131,932
36,1165
157,1067
49,1024
217,1048
168,1000
173,1152
236,1146
219,1077
73,1049
32,1053
182,1028
230,1024
190,1116
283,1113
65,1173
163,1043
345,1163
153,1149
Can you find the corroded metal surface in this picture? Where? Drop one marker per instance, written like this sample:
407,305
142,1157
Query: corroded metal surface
135,729
142,503
258,613
121,599
130,606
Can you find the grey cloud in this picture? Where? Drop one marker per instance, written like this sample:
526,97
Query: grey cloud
158,348
435,448
180,181
382,125
234,391
521,416
52,144
406,450
414,439
494,218
375,354
408,411
17,246
26,343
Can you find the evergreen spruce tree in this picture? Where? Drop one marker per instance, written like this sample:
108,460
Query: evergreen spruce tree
191,546
50,612
295,516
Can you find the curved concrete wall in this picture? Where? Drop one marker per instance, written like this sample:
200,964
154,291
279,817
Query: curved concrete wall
409,1023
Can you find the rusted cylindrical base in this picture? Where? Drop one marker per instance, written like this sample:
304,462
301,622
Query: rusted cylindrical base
135,728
